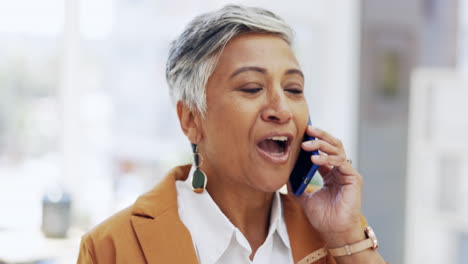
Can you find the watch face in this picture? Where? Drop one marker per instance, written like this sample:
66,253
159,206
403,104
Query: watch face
370,233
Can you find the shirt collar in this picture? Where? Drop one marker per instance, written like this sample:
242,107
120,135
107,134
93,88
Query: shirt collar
277,221
211,230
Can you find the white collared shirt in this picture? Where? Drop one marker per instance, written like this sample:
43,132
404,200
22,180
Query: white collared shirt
217,240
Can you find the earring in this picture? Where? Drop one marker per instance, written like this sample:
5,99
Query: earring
199,179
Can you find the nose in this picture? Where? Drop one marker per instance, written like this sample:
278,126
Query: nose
277,108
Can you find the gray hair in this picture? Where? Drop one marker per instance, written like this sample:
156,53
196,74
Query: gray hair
194,54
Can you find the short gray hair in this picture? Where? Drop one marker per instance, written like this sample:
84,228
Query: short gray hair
194,54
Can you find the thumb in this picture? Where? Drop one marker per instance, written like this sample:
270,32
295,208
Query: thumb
325,171
299,199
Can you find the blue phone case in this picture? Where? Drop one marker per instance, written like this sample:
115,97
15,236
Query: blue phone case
304,170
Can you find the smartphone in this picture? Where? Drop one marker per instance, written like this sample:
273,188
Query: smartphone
304,169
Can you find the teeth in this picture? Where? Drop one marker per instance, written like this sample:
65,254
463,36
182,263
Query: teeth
279,138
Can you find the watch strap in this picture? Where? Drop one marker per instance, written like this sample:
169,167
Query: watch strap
314,256
351,249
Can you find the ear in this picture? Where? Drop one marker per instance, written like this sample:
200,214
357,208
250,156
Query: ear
190,122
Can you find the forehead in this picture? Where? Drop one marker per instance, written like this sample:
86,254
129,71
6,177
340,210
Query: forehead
256,49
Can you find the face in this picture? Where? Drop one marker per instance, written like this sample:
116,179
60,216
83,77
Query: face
256,113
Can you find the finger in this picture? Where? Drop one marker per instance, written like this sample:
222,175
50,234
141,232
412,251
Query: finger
338,162
322,146
331,160
340,175
347,170
321,134
325,171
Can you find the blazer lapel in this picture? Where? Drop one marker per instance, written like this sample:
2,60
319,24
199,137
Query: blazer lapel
165,239
304,239
155,219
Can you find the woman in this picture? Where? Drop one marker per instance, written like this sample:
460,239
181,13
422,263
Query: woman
240,102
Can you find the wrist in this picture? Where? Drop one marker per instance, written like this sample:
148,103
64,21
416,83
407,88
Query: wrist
339,239
363,249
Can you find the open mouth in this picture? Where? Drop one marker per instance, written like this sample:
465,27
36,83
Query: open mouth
275,148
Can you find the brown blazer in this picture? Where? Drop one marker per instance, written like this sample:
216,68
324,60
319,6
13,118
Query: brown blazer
150,231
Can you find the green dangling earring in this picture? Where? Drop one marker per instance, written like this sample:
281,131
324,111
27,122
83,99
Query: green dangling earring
199,179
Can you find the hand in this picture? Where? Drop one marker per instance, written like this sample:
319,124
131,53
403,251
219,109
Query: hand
335,209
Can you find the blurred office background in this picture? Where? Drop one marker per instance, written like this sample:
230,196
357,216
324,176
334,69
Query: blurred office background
86,120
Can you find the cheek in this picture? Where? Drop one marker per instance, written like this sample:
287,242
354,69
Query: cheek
235,112
227,126
301,111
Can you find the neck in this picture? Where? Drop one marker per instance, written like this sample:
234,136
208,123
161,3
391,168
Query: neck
247,209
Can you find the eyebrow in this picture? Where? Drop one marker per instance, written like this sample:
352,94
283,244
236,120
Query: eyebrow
263,71
248,68
295,71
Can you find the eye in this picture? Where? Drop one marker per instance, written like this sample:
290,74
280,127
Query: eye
250,90
294,90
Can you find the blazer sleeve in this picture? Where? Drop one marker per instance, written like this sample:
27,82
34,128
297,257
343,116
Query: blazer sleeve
86,255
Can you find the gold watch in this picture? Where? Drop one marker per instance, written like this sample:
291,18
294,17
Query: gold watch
370,242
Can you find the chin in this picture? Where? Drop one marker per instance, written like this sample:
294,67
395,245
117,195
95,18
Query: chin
272,181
